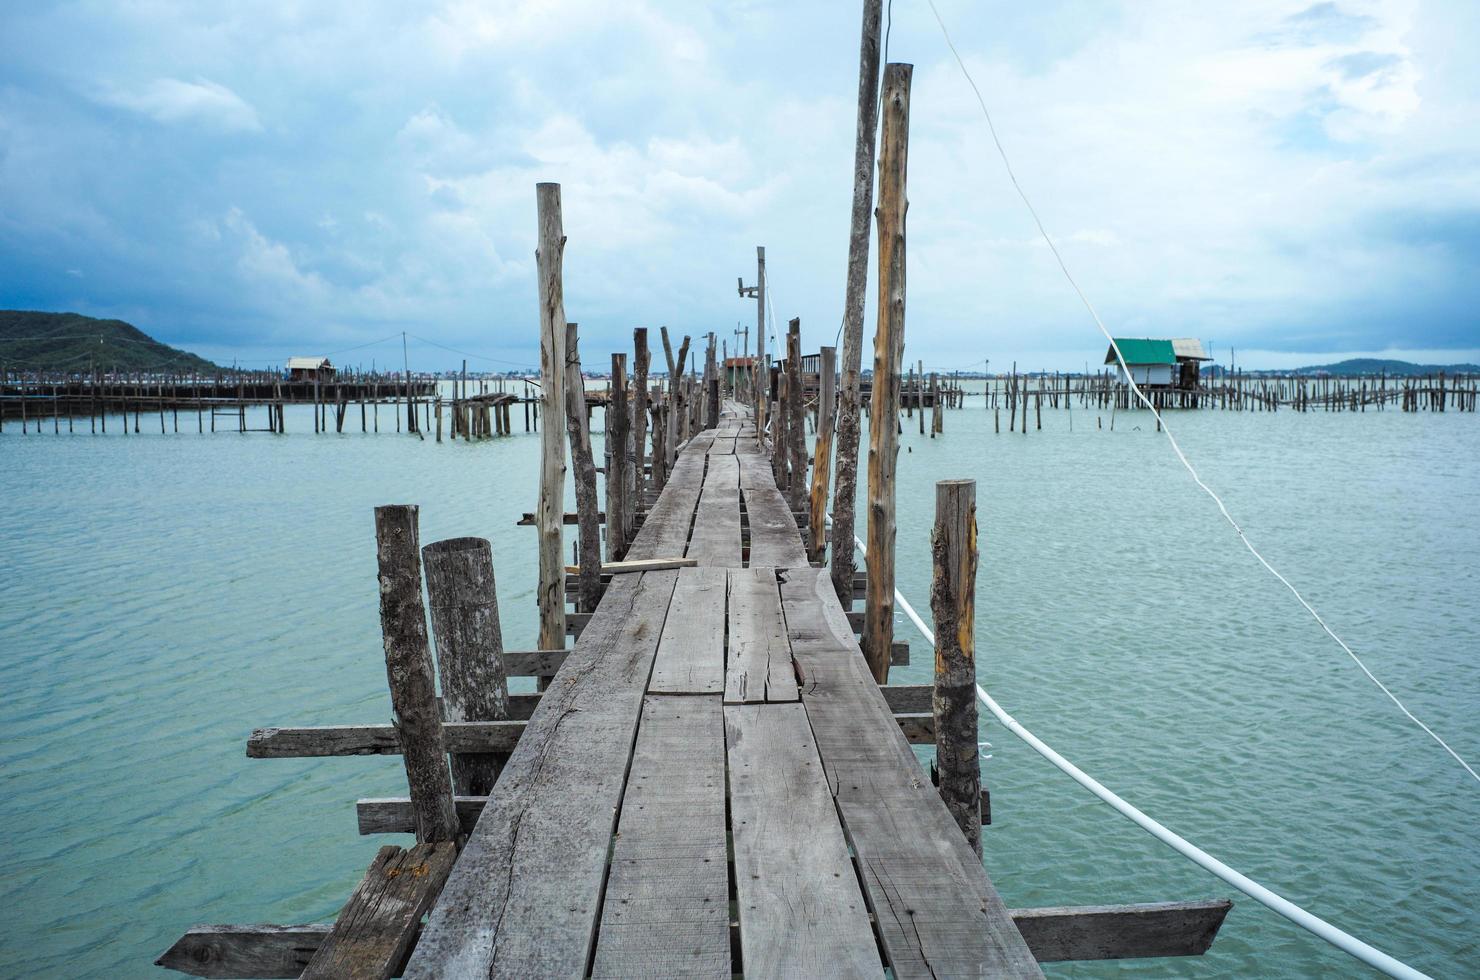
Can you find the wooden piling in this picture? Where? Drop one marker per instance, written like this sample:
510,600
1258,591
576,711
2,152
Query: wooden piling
641,361
470,649
822,456
408,665
578,428
796,426
617,506
548,259
878,632
953,604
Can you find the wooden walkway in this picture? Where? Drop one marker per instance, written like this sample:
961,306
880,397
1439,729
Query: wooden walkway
713,784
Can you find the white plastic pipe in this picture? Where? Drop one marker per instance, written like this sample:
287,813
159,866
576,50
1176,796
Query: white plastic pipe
1343,941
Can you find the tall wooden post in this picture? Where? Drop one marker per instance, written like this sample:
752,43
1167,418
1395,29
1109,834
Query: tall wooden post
579,431
846,490
711,387
796,423
822,455
549,259
616,461
408,667
641,361
470,648
953,604
883,452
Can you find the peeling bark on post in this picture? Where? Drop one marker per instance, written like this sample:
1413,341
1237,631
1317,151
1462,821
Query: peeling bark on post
845,492
549,259
822,456
409,672
470,648
953,604
883,453
577,427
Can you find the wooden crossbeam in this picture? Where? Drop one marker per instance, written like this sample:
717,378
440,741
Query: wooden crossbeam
1093,932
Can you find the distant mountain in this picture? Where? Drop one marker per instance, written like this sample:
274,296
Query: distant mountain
35,341
1362,366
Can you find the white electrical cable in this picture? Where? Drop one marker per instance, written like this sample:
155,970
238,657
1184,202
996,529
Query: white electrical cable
1064,268
1343,941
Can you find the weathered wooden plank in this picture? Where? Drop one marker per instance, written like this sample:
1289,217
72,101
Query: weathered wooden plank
230,951
665,531
523,898
774,540
801,913
1088,932
1113,932
935,907
691,651
759,667
716,538
378,923
638,565
392,814
532,663
666,911
334,740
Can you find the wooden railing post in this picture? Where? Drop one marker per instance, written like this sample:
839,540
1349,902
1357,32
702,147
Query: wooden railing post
549,259
616,462
796,423
883,453
953,604
822,457
470,648
579,431
641,361
408,667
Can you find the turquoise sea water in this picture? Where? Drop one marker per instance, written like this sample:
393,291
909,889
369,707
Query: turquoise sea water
164,595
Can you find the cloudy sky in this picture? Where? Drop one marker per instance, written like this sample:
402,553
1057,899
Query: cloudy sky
252,180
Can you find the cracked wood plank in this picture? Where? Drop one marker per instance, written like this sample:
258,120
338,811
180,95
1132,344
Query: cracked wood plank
801,913
665,531
523,898
774,538
936,909
666,911
759,667
691,652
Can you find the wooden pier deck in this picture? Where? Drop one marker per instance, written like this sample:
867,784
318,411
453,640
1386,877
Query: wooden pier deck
723,702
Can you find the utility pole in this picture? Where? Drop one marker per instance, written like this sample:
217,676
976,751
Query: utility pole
760,387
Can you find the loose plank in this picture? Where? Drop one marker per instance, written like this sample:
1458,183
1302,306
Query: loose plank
335,740
691,652
665,530
379,922
801,913
666,911
522,900
759,667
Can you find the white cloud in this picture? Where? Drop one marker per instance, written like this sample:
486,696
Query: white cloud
171,100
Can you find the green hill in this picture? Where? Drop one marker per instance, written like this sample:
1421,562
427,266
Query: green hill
35,341
1374,365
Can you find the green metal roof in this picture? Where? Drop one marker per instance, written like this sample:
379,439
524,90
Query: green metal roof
1142,351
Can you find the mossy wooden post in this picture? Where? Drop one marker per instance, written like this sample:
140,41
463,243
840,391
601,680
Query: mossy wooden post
796,423
822,455
408,667
953,604
585,472
845,490
641,360
549,259
616,462
883,451
470,648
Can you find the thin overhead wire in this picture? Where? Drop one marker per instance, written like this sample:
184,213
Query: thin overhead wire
1222,508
